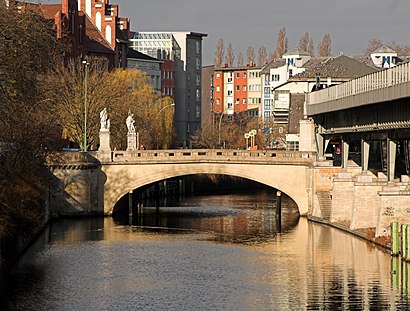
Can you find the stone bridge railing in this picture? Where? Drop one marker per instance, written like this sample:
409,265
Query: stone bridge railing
212,155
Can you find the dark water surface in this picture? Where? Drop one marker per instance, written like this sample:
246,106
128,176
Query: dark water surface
207,253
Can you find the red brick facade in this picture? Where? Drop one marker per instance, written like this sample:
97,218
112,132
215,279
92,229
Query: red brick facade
168,78
90,28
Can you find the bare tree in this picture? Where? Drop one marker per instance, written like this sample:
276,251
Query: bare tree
401,49
282,43
240,60
373,45
262,56
230,56
250,55
311,47
304,42
325,46
219,53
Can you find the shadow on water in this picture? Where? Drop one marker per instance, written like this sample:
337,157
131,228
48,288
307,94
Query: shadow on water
233,217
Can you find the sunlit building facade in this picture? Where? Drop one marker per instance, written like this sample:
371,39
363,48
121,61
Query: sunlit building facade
184,49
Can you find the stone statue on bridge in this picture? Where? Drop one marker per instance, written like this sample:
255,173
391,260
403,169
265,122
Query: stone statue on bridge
104,150
132,136
130,122
105,120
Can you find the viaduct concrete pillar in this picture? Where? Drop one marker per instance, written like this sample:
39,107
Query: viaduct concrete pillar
391,158
365,154
345,154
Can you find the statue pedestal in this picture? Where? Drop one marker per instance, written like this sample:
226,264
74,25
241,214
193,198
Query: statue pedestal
104,151
132,141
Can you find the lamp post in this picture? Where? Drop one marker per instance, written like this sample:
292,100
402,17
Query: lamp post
246,135
86,66
156,130
219,128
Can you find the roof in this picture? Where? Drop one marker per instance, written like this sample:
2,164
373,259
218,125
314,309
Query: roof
131,53
121,35
341,67
275,63
50,10
237,68
94,41
296,52
384,49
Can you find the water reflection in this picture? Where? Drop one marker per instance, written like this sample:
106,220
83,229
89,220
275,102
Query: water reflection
102,264
231,218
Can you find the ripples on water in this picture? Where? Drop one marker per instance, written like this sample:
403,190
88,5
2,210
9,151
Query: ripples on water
208,253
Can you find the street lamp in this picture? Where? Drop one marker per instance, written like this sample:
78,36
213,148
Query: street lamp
219,128
156,130
86,66
246,138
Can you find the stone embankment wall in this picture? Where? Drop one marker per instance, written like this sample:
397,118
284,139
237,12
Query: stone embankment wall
361,202
80,183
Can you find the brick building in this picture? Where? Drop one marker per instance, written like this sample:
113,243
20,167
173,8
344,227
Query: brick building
88,28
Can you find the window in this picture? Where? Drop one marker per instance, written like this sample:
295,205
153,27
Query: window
218,101
229,93
244,101
237,74
198,111
244,75
237,87
218,88
218,75
229,80
275,77
266,105
243,87
198,95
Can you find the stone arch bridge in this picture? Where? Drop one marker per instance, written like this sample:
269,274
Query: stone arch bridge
93,183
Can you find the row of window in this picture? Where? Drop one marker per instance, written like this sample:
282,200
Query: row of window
274,77
252,88
168,91
237,75
166,74
252,101
237,101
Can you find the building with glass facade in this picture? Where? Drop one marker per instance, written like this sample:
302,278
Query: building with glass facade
185,50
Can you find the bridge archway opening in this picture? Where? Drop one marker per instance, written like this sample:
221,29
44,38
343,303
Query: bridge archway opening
163,192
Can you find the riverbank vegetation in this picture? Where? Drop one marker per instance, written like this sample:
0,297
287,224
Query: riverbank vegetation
42,103
27,130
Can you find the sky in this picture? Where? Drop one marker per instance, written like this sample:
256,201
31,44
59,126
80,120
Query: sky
243,23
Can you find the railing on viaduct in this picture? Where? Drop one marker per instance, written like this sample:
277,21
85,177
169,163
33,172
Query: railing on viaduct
385,85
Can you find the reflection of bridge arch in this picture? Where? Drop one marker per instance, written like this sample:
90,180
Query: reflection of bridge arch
123,177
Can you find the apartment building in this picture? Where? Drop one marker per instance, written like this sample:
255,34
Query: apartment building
184,49
237,90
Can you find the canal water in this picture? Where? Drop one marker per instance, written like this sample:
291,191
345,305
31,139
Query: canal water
214,252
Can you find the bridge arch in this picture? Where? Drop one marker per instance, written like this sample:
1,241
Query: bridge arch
290,179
